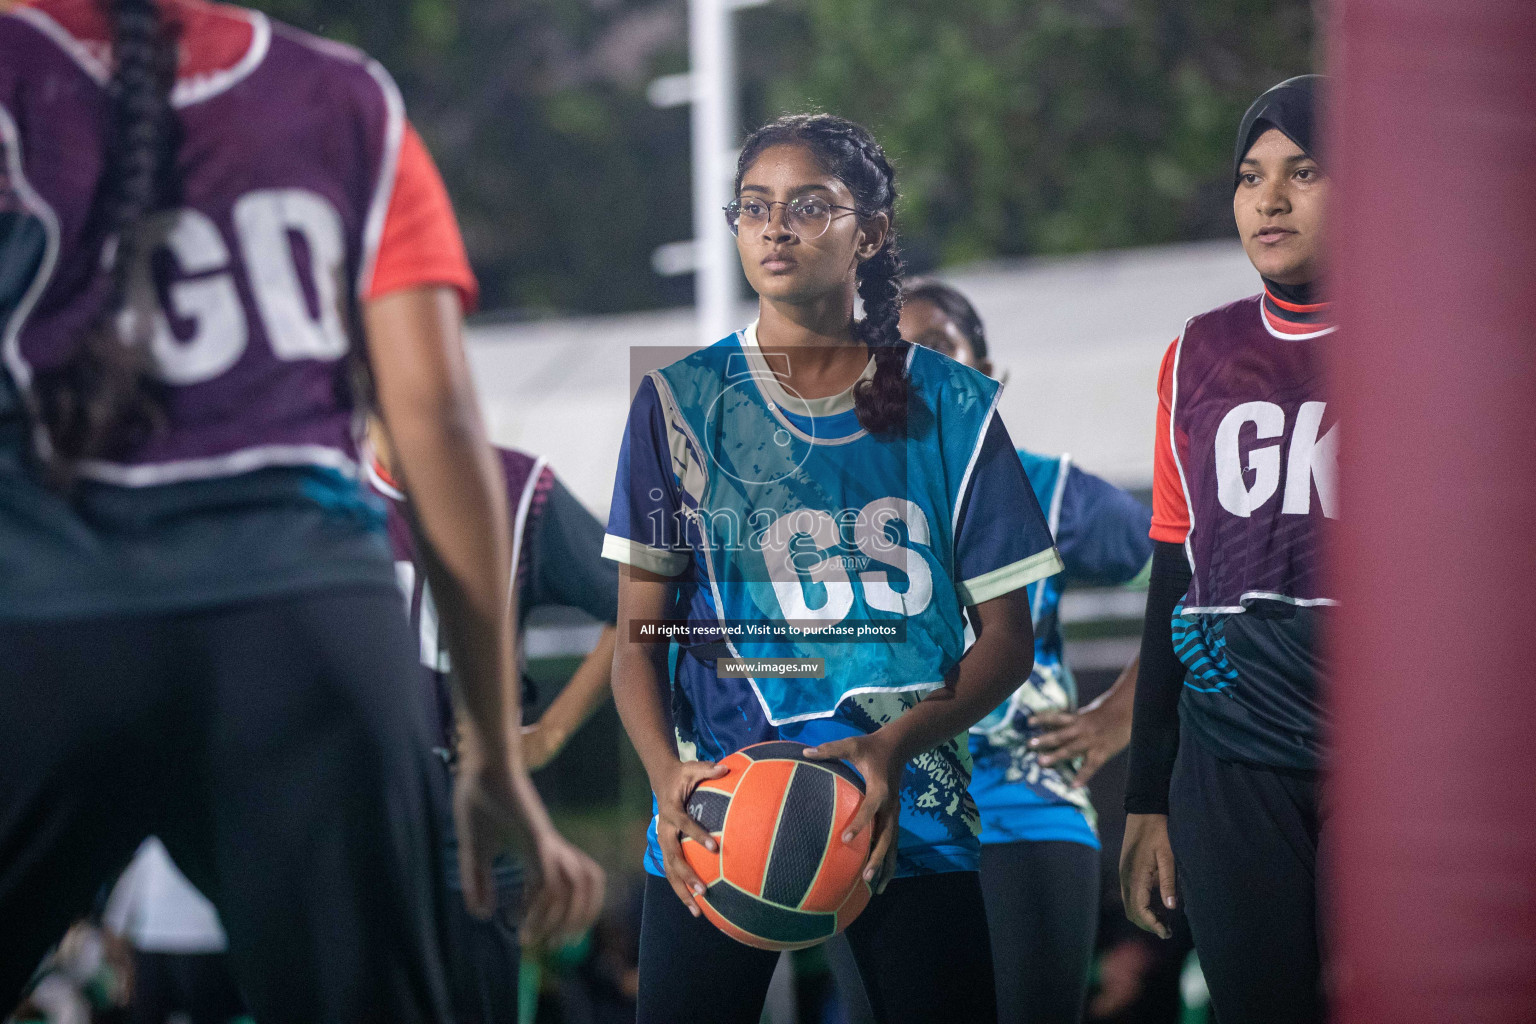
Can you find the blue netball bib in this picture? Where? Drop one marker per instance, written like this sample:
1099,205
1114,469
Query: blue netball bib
838,548
1051,686
793,533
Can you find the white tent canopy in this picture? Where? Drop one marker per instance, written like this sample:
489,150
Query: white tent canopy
1080,337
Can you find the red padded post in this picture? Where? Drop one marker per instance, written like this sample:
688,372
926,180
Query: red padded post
1433,792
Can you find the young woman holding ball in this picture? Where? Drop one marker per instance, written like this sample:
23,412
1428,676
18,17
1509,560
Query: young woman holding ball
814,469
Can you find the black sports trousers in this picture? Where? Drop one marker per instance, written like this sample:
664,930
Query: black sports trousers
921,947
197,986
1042,903
1245,843
282,751
484,958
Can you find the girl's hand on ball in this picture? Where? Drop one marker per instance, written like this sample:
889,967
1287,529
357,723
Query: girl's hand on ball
881,768
672,790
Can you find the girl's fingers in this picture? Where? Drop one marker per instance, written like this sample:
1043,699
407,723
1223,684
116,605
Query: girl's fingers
683,894
837,750
1052,740
536,919
679,872
677,818
865,814
1065,752
1143,914
695,772
1090,766
690,827
1142,918
593,886
578,913
1165,878
1052,719
888,868
556,902
560,903
875,864
475,875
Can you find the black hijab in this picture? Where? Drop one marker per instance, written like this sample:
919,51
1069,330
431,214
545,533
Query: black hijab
1290,107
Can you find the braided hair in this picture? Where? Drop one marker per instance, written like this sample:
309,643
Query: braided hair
103,400
848,152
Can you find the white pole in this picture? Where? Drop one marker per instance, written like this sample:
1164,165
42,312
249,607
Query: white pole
711,57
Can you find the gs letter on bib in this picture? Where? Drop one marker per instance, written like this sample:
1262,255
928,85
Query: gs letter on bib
811,542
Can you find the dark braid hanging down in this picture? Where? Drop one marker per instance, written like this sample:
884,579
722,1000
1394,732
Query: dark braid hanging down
848,152
103,400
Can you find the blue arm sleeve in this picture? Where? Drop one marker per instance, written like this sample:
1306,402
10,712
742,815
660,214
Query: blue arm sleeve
1102,534
644,522
1002,541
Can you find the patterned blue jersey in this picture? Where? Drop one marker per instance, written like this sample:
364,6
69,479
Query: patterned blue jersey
1101,532
773,512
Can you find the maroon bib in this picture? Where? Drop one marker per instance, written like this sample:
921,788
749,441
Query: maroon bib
1257,448
528,480
249,294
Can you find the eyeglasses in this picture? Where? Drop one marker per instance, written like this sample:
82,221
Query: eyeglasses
807,216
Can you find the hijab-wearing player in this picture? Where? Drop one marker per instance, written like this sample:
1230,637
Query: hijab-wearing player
813,468
1035,754
556,560
209,225
1222,797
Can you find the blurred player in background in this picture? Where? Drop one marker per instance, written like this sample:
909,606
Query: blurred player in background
1034,754
1222,794
203,217
177,946
838,440
556,560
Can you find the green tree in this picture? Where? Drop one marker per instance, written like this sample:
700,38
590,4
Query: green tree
1041,127
563,176
1017,126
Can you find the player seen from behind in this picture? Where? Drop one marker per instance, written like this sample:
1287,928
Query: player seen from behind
209,223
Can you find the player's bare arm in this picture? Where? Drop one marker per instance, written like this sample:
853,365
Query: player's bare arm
577,702
447,466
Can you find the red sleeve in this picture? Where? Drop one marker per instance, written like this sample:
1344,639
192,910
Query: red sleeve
1170,509
421,244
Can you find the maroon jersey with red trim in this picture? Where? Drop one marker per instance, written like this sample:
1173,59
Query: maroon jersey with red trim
1257,453
528,481
249,292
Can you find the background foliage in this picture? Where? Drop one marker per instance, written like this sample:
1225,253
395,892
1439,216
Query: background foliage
1018,126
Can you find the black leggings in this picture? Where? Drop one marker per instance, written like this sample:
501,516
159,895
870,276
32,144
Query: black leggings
484,958
1042,911
198,986
282,751
1245,842
921,947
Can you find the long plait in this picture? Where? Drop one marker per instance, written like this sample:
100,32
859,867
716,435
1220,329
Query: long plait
881,401
104,400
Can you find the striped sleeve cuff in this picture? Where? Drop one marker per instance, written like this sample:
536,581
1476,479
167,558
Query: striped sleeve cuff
641,556
983,588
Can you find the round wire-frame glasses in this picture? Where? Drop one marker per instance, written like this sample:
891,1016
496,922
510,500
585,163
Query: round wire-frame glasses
807,216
